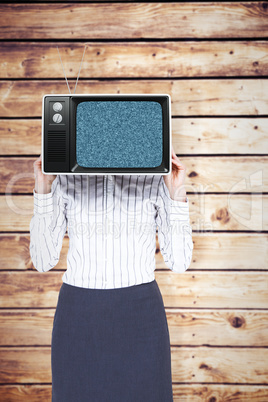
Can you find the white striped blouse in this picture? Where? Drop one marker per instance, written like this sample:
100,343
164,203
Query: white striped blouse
112,223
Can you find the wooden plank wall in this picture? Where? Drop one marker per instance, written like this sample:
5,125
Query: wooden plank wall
212,58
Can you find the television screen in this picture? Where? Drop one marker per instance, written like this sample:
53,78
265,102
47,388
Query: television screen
111,134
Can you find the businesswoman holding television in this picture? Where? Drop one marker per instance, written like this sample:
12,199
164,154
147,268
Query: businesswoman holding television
110,337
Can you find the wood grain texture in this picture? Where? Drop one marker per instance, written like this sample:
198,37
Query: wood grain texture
139,59
230,327
190,289
219,365
134,20
214,289
25,393
227,251
25,364
219,392
189,97
26,327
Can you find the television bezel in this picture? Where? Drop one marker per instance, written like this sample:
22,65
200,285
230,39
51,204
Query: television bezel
163,169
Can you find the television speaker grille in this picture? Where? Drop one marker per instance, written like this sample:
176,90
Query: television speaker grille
56,146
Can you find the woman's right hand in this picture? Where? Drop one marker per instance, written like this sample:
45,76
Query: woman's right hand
43,182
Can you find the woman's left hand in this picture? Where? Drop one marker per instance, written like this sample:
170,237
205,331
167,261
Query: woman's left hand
175,180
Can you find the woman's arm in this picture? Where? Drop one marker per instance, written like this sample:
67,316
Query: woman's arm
48,223
172,218
174,230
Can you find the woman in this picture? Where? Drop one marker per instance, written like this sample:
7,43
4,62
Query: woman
110,337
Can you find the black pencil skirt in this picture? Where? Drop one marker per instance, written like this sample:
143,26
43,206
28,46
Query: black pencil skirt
111,345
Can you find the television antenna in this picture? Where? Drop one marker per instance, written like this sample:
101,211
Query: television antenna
78,71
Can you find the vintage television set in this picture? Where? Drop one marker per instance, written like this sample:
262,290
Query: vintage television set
106,134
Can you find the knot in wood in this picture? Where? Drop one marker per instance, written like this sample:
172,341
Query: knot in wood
223,215
193,174
237,322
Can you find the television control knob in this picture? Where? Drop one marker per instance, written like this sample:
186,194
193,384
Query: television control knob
57,118
57,107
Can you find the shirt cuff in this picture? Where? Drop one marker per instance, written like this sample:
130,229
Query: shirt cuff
179,207
176,202
43,203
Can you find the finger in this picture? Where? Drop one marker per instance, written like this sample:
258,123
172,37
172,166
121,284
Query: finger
178,163
175,156
175,162
38,160
37,166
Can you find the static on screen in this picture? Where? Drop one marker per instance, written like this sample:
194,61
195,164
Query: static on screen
119,134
